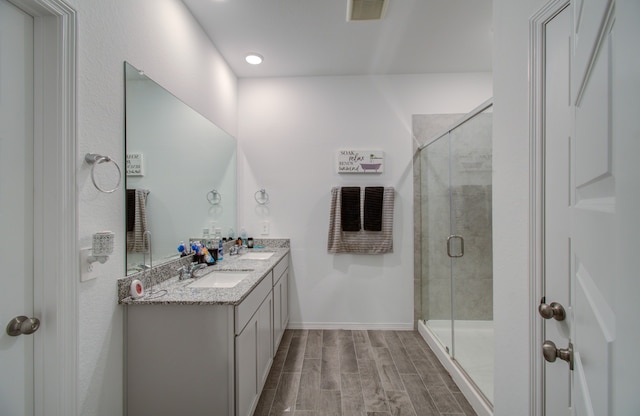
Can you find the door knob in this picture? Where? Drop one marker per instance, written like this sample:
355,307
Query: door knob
22,325
550,353
553,310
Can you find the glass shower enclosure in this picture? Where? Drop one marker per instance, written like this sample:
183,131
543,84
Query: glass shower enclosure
455,237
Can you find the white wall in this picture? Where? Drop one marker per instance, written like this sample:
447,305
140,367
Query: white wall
162,38
289,131
511,204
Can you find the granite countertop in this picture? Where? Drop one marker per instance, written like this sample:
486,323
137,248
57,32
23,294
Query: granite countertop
179,292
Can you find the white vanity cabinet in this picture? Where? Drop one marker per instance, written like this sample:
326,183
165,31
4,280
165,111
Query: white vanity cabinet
204,359
280,300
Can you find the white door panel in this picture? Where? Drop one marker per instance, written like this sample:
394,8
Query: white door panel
589,16
16,206
594,338
593,127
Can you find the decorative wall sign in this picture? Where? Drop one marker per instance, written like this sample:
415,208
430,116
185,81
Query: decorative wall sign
360,161
134,164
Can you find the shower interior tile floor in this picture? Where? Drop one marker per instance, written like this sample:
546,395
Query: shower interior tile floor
473,349
358,373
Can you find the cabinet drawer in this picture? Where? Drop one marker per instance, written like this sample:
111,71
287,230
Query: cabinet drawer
280,268
246,309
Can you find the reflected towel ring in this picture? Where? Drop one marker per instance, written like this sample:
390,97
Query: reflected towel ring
264,199
214,197
95,159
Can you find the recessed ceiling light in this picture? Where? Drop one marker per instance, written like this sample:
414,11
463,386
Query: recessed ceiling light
253,59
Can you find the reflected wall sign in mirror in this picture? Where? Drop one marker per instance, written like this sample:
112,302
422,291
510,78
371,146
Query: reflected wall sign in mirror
179,157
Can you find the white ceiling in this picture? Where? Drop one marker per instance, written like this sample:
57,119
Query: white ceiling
313,37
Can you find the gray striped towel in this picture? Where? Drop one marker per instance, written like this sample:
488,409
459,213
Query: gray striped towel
363,241
136,240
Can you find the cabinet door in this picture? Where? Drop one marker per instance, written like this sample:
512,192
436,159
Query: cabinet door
277,316
246,364
253,357
284,300
280,309
264,348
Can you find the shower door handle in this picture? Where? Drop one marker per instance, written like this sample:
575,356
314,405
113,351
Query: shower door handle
451,237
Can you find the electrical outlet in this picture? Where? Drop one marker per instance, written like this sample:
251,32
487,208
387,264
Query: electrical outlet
265,228
87,270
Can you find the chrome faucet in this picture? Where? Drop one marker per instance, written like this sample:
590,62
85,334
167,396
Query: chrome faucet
187,272
236,250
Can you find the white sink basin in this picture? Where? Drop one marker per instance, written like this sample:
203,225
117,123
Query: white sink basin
220,280
258,255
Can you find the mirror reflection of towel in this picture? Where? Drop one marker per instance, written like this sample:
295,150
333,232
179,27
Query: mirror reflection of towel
136,240
350,208
131,209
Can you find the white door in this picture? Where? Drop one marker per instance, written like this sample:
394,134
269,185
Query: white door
584,203
16,207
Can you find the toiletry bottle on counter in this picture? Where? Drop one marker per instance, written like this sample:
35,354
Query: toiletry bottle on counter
212,247
207,257
220,251
182,249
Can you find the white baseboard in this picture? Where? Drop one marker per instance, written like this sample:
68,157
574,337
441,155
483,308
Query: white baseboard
351,325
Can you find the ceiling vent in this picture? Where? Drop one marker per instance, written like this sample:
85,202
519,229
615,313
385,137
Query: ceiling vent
366,9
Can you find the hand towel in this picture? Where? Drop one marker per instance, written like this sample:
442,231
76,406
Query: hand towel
373,197
350,208
363,241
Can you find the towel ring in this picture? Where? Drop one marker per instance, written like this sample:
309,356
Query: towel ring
95,159
214,197
264,199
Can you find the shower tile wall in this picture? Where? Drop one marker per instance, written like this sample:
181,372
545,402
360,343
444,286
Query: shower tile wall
471,201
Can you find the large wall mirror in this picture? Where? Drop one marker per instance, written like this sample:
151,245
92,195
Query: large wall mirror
175,159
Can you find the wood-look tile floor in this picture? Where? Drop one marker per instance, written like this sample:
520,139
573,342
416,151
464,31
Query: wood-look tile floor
358,373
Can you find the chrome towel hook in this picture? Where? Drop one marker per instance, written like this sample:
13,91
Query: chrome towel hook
214,197
95,159
263,199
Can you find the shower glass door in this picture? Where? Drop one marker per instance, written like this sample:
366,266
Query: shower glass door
470,247
455,235
436,265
